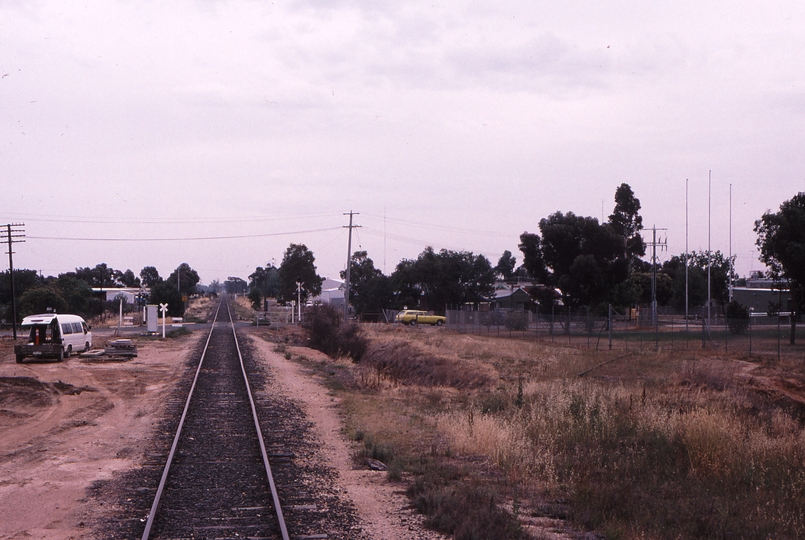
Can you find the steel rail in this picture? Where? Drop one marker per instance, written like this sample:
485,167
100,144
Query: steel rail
155,506
274,494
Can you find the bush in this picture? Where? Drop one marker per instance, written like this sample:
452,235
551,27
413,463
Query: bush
465,511
351,342
256,299
737,317
327,333
322,323
39,300
517,320
178,332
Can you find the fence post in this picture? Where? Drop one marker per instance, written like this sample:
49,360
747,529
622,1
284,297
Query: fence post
779,317
672,331
536,329
704,322
609,324
567,324
553,315
750,332
656,328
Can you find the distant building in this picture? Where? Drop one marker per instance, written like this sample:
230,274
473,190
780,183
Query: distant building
128,293
512,295
332,293
760,296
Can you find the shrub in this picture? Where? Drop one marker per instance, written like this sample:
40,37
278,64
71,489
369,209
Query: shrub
737,317
178,332
517,320
351,342
466,511
327,333
321,323
256,299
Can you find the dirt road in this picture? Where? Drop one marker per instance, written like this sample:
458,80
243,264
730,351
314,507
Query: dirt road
65,425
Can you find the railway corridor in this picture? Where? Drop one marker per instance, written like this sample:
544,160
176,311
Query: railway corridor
217,485
220,472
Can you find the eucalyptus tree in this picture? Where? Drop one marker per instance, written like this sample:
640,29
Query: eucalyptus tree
781,239
298,266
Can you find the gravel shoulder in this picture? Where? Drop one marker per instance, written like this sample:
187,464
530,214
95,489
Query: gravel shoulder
381,505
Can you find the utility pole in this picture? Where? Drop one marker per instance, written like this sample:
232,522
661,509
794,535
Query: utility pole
709,253
662,244
687,257
349,263
16,234
731,262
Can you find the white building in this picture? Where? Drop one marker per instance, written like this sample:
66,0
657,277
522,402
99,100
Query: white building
128,293
332,292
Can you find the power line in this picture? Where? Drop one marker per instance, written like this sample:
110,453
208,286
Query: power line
181,239
179,221
419,224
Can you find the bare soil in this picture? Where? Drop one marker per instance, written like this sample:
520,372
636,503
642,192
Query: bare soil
65,426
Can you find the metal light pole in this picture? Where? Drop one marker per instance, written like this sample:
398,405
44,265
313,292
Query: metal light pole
687,261
709,254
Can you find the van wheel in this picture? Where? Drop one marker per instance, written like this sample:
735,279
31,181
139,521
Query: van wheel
86,346
61,356
69,351
19,358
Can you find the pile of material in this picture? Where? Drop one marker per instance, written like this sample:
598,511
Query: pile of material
121,348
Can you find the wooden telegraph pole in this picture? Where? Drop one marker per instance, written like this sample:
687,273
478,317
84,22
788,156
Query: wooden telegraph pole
349,263
16,234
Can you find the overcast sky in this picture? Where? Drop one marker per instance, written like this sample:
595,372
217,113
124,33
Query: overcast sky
216,133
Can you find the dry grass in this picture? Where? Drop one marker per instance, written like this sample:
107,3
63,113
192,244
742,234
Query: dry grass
674,444
199,308
242,308
406,363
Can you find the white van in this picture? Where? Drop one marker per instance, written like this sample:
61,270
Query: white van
53,334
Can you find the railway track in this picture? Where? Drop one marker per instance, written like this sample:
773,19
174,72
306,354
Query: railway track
217,482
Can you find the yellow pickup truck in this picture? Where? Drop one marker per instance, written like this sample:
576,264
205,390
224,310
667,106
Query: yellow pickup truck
414,317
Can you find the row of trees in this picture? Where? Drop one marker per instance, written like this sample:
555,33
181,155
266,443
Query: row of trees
295,279
431,281
575,258
72,291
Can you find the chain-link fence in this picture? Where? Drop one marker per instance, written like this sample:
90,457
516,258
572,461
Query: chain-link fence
759,335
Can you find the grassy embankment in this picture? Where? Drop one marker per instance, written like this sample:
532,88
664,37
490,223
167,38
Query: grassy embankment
680,444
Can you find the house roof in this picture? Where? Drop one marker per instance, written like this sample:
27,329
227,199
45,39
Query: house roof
507,293
331,284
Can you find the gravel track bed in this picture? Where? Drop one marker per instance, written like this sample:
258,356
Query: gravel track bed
313,503
224,495
217,484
